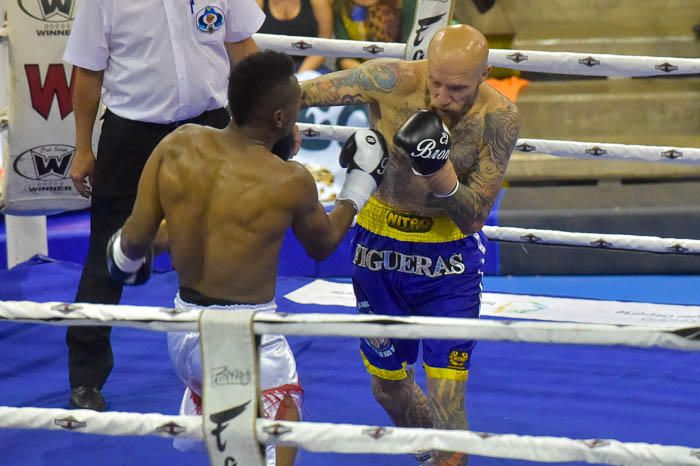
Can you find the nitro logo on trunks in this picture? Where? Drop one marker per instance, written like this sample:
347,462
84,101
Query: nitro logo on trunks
210,19
458,360
225,376
429,148
407,263
409,223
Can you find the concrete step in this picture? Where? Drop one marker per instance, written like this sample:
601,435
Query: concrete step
626,27
683,46
602,18
532,169
628,111
664,209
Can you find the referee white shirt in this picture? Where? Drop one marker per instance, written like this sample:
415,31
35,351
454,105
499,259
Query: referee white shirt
163,60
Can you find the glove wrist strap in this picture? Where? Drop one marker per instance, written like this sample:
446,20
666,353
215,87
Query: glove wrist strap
121,260
444,182
358,187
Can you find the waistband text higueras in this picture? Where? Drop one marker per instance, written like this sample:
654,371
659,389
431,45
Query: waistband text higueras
408,263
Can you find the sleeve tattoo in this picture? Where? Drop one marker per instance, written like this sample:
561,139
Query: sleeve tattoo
470,206
356,86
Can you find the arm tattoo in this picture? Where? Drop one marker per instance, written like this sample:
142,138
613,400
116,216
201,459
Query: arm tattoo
349,87
479,188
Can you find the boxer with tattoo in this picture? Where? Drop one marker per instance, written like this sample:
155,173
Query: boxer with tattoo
419,249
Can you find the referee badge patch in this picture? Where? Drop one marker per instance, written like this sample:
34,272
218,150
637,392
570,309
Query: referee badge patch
210,19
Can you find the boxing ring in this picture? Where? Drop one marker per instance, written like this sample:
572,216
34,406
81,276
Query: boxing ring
577,390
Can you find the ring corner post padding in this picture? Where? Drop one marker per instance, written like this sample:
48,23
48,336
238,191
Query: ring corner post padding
41,128
429,18
230,381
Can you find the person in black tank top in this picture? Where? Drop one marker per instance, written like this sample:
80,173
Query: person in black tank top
313,20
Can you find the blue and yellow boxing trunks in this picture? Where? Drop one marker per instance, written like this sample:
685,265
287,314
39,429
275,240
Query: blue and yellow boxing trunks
409,265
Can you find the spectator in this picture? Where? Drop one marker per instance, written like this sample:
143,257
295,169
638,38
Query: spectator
372,20
307,18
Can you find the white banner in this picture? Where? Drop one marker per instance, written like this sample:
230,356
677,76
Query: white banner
41,131
230,387
513,306
4,98
431,16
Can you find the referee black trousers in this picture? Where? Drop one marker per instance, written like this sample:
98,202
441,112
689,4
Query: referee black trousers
122,152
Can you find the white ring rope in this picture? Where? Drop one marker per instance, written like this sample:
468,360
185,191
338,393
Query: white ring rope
569,149
368,326
582,64
110,423
348,438
606,151
594,240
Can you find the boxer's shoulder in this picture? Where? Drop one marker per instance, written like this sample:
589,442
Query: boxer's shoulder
180,145
393,76
494,100
185,136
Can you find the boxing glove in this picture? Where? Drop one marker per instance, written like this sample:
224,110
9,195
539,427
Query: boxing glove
426,140
124,270
288,146
365,156
284,147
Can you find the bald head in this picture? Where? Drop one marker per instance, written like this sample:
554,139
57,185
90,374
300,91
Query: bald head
457,65
460,46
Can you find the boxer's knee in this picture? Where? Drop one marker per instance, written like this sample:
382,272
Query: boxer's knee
288,410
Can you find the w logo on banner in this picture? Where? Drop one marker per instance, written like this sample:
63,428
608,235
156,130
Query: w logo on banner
52,165
45,163
48,10
55,84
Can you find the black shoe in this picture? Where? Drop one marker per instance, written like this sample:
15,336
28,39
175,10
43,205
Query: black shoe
86,397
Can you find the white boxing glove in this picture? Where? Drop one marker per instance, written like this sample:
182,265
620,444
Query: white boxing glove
365,156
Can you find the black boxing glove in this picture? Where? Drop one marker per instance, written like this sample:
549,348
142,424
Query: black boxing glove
427,141
365,156
123,269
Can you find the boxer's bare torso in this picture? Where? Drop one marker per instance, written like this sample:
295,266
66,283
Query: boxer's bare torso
395,90
227,204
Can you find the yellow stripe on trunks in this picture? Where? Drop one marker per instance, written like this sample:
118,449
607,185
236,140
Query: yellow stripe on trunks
382,220
445,373
386,374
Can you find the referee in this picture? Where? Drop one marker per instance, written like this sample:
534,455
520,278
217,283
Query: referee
156,65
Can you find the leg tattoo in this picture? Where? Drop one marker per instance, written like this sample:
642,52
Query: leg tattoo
446,399
403,401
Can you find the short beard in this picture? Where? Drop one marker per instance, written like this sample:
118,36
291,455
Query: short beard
455,116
